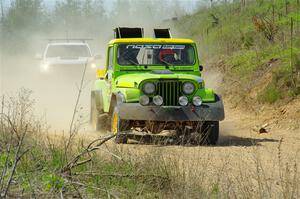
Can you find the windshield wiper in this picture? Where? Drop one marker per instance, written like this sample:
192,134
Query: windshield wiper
133,62
166,63
128,58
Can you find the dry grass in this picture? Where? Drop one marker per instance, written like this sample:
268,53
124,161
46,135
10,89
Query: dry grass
35,166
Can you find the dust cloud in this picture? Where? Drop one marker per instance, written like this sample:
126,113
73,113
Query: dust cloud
55,93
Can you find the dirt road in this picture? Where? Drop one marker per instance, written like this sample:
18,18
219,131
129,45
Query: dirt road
244,163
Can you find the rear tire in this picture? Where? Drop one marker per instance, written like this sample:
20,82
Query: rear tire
98,119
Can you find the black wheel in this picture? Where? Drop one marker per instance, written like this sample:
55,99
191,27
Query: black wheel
210,134
118,126
98,119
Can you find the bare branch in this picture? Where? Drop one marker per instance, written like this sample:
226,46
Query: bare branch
73,131
5,166
87,150
17,158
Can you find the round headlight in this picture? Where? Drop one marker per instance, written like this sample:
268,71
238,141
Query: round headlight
149,88
144,100
158,100
197,101
188,88
183,101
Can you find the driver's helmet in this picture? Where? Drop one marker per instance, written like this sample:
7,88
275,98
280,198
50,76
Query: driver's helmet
166,54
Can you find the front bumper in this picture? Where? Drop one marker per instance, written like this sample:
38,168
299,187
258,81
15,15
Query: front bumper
206,112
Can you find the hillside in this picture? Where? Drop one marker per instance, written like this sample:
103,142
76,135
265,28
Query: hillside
256,49
256,44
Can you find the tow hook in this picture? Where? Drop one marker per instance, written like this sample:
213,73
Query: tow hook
193,109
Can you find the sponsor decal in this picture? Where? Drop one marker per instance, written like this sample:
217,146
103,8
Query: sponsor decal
155,46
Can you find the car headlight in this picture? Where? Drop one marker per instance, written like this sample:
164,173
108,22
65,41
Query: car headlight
197,101
144,100
93,65
188,88
183,101
149,88
158,100
44,67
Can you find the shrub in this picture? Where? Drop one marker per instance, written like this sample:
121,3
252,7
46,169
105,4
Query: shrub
270,94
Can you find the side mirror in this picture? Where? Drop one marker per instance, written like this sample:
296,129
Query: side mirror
200,68
38,56
97,56
100,73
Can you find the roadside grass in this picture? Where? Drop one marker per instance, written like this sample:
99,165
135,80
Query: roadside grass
285,80
248,39
250,66
270,94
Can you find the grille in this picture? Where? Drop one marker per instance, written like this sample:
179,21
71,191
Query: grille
170,92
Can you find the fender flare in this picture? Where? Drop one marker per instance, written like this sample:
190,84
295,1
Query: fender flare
117,98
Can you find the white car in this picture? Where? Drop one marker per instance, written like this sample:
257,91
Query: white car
60,55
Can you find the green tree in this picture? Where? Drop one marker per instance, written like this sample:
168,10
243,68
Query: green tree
23,18
78,18
67,14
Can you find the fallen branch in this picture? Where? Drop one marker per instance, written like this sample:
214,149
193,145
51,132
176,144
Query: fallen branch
84,185
117,175
112,154
74,162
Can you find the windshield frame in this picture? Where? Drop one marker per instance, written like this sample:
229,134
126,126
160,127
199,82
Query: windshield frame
145,43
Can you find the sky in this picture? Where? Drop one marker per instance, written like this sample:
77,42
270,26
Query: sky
188,5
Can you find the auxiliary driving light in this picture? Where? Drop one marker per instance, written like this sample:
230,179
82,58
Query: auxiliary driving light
197,101
144,100
183,101
158,100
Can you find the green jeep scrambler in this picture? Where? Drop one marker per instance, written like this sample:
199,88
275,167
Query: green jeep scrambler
154,84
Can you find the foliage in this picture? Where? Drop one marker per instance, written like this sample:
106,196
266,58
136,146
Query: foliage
270,94
253,39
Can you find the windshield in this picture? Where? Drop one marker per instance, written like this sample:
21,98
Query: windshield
156,54
68,51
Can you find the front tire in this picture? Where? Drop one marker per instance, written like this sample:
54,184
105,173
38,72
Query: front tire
118,126
211,133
